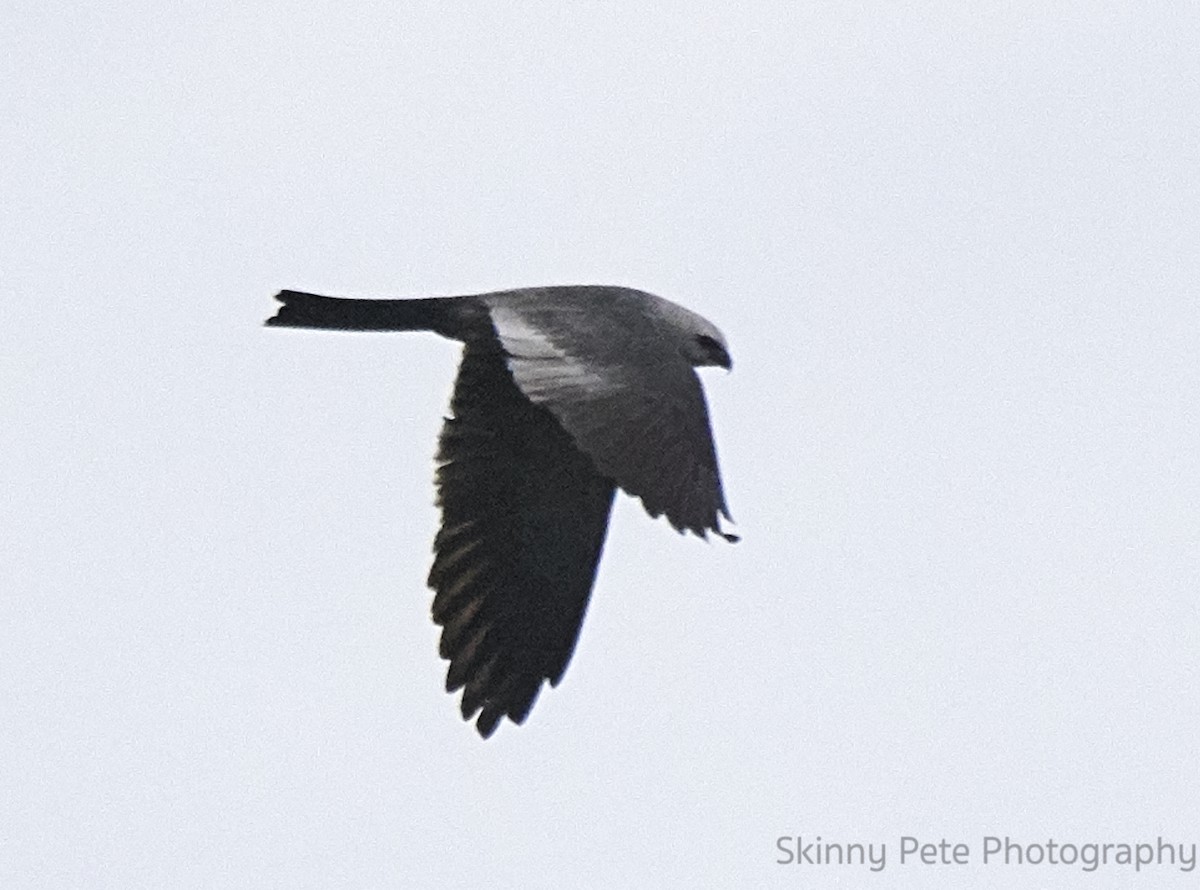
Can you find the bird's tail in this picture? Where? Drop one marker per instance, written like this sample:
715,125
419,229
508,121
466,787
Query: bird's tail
300,310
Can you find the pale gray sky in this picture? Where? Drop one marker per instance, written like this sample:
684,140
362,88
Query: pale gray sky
954,250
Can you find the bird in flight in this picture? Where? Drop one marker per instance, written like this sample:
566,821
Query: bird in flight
563,395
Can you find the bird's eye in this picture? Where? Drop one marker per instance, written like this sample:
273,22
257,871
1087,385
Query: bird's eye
710,351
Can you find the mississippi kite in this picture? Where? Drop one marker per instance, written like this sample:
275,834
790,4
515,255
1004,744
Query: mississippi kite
563,395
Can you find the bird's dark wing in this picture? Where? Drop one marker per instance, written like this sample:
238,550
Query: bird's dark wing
524,516
635,407
655,441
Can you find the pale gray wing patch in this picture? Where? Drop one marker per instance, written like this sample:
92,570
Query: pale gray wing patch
544,371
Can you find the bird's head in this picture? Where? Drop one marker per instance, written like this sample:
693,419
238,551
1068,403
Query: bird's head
698,339
709,349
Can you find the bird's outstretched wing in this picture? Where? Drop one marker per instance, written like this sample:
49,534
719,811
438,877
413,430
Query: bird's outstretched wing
630,404
524,516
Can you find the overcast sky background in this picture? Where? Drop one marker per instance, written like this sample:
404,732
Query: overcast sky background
954,249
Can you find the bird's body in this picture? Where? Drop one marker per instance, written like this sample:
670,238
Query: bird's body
564,394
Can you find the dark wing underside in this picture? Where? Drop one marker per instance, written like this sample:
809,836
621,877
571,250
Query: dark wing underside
524,515
658,447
